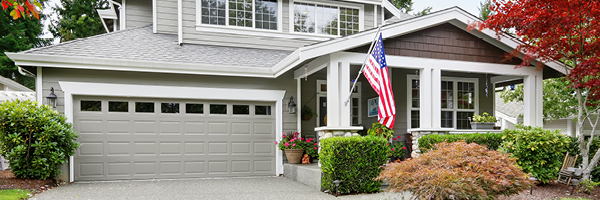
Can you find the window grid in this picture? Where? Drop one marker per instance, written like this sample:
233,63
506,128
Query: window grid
415,93
213,12
304,18
348,21
266,14
466,95
240,13
462,120
327,20
414,119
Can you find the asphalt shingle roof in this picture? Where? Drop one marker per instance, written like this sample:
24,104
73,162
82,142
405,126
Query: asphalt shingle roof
512,109
143,45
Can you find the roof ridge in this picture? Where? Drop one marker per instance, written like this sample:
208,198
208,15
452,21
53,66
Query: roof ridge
83,39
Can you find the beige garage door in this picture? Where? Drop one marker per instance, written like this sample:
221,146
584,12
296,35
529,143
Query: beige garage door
127,138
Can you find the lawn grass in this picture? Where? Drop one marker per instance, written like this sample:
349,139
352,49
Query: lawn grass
14,194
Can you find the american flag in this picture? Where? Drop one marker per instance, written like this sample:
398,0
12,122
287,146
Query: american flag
376,72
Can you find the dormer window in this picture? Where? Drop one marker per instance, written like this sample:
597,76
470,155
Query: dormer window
326,19
260,14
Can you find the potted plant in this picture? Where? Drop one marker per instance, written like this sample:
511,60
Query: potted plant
293,146
397,151
381,130
484,121
307,113
311,148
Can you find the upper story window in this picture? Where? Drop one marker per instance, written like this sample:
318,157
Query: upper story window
261,14
325,19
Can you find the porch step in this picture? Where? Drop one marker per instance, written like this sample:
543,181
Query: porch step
307,174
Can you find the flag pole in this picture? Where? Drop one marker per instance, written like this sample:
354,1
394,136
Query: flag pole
363,66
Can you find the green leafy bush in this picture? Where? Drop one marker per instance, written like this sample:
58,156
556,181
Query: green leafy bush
587,186
353,160
36,140
381,130
457,171
491,140
397,150
574,146
483,118
538,151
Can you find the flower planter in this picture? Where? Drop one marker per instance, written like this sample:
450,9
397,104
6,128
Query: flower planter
294,156
483,125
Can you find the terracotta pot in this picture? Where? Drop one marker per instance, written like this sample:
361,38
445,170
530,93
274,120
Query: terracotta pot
294,156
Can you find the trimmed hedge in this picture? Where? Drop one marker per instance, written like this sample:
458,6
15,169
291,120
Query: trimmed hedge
355,161
491,140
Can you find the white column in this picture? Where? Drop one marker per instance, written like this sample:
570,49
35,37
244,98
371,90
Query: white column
333,111
529,101
539,100
425,117
436,96
344,92
570,126
299,106
38,87
504,124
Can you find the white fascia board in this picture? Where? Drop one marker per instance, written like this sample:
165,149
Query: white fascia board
312,67
510,119
390,7
138,66
13,85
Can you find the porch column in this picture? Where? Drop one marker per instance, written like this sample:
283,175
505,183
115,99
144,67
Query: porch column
533,100
436,94
425,101
333,97
345,84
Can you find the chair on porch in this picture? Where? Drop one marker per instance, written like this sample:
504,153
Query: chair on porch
567,170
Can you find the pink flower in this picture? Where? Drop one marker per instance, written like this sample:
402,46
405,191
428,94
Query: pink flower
275,142
398,136
387,143
394,139
301,138
392,149
315,147
293,140
315,144
404,148
293,145
283,133
287,144
284,136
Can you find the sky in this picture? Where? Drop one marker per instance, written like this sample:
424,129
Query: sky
471,6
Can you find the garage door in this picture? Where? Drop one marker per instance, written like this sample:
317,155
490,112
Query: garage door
127,138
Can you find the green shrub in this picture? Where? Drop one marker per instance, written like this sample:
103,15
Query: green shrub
457,171
491,140
595,145
353,160
538,151
397,150
381,130
36,140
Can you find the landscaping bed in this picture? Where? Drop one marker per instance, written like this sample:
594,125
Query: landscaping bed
552,191
9,181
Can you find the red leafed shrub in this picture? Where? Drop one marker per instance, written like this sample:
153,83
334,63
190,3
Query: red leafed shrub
457,171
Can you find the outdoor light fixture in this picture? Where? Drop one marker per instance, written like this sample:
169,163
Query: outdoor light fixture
292,106
337,184
512,87
51,98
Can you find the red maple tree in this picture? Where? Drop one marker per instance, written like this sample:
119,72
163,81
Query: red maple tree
22,8
557,30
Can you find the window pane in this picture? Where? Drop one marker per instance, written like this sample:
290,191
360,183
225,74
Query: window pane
462,120
466,95
415,93
447,95
327,20
91,105
194,108
304,18
240,13
262,110
218,109
266,14
414,119
169,107
118,106
213,11
447,119
241,109
146,107
348,17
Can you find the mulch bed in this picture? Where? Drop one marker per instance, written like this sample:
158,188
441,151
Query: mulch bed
552,191
9,181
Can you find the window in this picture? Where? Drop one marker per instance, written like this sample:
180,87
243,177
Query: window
95,106
169,107
260,14
458,99
192,108
118,106
144,107
218,109
328,20
241,109
262,110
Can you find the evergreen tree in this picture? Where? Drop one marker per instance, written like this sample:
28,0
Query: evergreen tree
18,35
405,6
78,19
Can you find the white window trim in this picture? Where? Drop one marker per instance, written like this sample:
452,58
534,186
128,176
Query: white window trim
409,107
71,89
358,95
360,7
239,28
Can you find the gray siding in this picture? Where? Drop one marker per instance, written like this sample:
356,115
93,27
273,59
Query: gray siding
369,12
166,16
138,13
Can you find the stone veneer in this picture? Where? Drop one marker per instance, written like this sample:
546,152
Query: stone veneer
415,140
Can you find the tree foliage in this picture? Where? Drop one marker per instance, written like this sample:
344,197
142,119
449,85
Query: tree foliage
18,35
558,30
484,9
457,171
406,6
22,8
77,19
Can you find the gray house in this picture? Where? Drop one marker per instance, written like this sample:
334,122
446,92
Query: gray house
201,88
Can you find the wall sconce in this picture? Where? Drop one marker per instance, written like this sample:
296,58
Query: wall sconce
51,98
292,106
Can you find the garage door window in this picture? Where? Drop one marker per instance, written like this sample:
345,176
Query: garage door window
118,106
193,108
218,109
241,109
262,110
94,106
169,107
144,107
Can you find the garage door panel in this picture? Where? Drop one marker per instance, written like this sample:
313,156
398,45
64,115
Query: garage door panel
132,145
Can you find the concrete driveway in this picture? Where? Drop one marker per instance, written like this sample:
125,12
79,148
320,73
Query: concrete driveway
225,188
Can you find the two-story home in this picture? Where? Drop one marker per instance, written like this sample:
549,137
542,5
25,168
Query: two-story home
202,88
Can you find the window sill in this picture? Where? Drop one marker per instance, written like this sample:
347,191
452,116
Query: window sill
262,33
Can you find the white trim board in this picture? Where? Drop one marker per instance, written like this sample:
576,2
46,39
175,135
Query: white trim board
71,89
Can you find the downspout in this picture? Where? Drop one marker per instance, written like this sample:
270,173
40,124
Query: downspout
180,22
25,72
